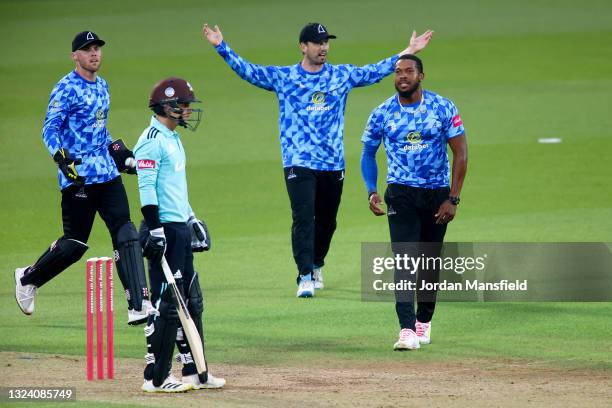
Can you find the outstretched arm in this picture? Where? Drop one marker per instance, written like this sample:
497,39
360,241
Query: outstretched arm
258,75
373,73
418,43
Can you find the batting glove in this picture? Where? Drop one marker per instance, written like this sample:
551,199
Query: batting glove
155,246
200,237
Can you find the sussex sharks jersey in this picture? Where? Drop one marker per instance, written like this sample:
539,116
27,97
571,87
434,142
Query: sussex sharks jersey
76,120
311,118
415,139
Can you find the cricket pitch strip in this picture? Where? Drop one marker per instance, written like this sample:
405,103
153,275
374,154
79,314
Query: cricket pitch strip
474,383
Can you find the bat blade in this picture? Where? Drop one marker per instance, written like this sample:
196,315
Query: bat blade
189,327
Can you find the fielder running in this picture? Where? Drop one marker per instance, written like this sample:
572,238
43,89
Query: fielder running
415,126
312,97
75,134
170,227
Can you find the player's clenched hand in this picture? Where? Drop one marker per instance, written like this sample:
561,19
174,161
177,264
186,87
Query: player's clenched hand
200,237
418,43
67,165
375,202
155,246
213,36
446,212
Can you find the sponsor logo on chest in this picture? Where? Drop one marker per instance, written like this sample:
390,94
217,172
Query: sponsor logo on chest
318,102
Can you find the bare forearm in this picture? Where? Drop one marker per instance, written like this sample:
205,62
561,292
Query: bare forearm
458,175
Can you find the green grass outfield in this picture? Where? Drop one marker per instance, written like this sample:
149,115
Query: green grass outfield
518,71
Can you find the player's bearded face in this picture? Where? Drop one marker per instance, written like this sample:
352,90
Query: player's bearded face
316,53
407,78
89,58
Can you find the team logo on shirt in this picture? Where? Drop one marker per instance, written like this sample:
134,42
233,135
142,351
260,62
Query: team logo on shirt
414,137
318,100
414,142
99,118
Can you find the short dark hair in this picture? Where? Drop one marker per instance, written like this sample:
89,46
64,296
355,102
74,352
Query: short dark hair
414,58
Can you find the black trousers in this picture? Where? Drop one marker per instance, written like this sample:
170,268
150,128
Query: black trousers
410,212
315,198
179,257
79,208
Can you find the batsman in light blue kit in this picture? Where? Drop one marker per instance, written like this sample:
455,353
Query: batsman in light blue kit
89,164
171,229
312,97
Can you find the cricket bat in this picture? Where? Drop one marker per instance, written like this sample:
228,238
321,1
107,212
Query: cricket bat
189,327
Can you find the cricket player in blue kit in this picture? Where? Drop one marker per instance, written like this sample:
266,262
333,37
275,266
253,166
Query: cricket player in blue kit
415,126
170,227
312,97
89,163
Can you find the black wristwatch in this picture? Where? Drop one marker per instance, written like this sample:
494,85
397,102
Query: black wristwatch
454,200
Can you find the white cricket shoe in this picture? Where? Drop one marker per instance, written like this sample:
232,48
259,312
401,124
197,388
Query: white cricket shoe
24,294
317,273
408,340
136,317
423,332
305,287
211,383
171,384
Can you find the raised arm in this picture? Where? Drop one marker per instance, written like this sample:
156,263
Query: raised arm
417,43
261,76
373,73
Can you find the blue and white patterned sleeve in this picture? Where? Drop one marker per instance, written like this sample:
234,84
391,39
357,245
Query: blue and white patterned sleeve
58,109
374,130
453,125
372,73
265,77
109,138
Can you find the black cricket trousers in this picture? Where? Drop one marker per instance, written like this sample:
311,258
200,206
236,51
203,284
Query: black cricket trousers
410,212
315,198
79,208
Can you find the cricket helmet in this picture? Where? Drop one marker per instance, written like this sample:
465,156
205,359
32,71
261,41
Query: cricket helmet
166,97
